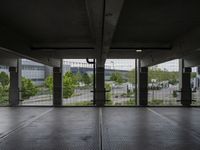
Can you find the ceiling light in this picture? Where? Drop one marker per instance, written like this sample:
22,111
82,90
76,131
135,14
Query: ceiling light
138,50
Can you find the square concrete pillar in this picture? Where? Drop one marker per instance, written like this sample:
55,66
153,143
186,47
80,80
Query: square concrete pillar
57,86
186,90
100,87
143,86
14,87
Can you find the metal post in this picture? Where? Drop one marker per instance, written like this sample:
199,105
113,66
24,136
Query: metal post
94,78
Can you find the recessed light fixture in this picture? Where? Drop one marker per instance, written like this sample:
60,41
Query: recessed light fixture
138,50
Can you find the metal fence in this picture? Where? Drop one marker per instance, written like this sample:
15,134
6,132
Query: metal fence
4,85
77,83
34,89
195,84
163,84
120,82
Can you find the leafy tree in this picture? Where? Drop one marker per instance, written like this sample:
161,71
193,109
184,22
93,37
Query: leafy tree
108,88
4,79
131,76
28,88
193,74
163,75
49,83
4,87
117,77
86,79
78,77
69,84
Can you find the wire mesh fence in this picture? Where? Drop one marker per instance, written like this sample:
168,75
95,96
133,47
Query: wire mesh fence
120,82
35,88
37,83
195,85
4,85
77,83
163,84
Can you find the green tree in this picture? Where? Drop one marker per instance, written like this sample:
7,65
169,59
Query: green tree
86,79
117,77
78,77
162,75
69,84
4,79
193,75
28,88
108,88
49,83
131,76
4,87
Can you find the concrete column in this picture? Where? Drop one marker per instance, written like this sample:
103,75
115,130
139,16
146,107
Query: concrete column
19,70
184,84
100,85
14,87
186,91
57,86
143,86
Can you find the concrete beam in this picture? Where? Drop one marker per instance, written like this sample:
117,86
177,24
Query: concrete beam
123,54
192,60
8,62
112,12
66,53
95,11
15,44
182,47
141,45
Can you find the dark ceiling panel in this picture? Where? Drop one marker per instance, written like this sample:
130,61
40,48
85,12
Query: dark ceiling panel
47,20
156,20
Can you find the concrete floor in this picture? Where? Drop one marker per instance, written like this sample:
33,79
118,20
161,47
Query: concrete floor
117,128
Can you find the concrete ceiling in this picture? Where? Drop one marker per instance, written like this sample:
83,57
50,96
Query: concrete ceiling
50,30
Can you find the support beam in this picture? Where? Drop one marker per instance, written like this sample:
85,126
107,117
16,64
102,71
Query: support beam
112,14
192,60
100,85
143,86
19,46
185,85
64,53
181,48
14,87
57,86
